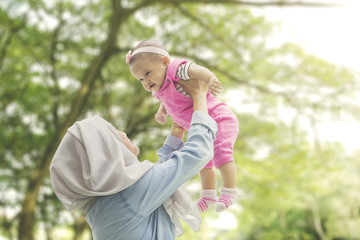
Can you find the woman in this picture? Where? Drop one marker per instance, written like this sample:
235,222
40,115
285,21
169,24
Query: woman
95,169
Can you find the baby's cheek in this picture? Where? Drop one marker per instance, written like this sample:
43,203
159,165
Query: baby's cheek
145,88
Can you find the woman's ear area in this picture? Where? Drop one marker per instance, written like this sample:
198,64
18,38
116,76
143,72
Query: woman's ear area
166,60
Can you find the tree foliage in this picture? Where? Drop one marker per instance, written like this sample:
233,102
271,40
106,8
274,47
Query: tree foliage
61,61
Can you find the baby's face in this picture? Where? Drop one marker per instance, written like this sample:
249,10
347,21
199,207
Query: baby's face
150,72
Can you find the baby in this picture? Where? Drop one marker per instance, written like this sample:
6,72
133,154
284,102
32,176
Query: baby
151,65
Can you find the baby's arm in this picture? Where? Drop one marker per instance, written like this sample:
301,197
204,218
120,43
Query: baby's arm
197,72
161,114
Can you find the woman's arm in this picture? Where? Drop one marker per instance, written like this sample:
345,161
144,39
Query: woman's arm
198,90
161,181
173,142
177,130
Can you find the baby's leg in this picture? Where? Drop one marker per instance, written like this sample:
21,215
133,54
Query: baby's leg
228,129
208,194
208,178
228,174
229,191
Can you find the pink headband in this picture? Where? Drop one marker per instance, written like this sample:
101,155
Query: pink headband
146,49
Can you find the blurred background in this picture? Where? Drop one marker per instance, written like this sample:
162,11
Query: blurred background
290,71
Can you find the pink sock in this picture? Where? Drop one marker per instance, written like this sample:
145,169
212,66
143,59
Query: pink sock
207,200
226,199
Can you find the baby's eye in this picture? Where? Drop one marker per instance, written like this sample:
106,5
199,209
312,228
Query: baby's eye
141,79
147,73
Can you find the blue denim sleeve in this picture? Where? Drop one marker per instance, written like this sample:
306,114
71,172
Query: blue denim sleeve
171,144
162,180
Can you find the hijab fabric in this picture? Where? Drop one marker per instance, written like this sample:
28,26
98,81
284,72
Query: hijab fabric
92,161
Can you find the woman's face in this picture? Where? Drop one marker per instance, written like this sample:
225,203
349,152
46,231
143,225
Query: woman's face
130,145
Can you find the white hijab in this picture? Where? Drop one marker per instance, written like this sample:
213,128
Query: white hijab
92,161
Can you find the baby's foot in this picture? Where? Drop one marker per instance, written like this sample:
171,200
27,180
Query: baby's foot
226,199
207,200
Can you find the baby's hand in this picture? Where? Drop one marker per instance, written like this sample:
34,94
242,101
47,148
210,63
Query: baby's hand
161,114
160,117
215,86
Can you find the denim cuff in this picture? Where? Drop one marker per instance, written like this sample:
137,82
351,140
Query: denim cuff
174,142
201,118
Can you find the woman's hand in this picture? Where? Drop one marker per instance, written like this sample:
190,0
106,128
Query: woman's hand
195,86
198,90
197,72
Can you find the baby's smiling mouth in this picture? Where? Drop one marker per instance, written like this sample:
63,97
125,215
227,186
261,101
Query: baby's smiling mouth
152,85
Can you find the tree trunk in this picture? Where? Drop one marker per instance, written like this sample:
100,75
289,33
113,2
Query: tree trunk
27,214
318,225
80,226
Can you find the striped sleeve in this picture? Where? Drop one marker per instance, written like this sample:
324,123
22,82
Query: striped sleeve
179,88
183,71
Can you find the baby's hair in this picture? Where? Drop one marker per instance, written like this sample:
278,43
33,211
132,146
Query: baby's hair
146,43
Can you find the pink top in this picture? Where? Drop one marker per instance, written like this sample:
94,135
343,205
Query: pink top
178,106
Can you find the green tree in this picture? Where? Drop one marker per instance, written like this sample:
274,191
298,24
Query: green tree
61,61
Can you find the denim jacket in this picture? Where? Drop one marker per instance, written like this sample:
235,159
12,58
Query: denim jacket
137,212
